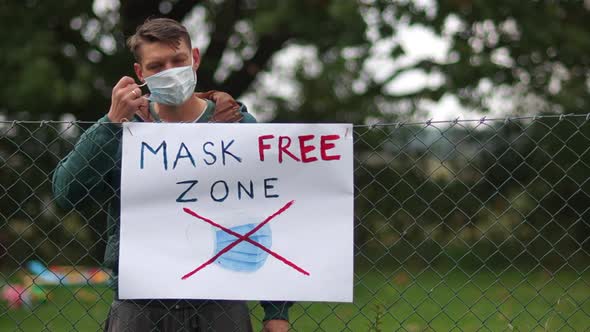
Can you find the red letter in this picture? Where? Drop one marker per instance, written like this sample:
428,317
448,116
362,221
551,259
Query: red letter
306,148
324,146
262,146
284,149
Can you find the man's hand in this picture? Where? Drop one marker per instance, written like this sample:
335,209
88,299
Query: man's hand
276,325
126,100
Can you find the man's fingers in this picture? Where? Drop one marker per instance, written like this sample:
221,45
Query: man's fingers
127,92
136,92
123,82
276,325
143,109
139,103
126,99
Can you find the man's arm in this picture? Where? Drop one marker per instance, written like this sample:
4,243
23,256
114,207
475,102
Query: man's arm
81,176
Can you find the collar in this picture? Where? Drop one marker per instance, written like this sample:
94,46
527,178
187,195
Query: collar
203,117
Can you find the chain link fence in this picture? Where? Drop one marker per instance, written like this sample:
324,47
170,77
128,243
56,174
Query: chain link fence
459,225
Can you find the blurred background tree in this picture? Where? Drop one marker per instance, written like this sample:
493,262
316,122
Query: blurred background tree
334,61
65,58
534,53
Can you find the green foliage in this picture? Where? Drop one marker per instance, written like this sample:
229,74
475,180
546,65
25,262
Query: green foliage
544,45
377,323
55,61
38,76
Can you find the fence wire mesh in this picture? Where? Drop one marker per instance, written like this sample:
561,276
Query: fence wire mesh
459,225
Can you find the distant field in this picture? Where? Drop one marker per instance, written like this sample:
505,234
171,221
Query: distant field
494,300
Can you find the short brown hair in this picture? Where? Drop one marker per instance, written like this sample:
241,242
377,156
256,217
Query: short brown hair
162,30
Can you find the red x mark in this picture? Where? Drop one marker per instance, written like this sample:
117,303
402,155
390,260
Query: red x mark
245,237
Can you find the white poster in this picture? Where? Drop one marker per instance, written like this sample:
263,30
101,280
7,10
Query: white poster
237,211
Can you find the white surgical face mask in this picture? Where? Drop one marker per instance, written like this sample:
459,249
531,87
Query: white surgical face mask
173,86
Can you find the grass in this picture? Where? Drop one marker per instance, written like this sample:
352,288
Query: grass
430,300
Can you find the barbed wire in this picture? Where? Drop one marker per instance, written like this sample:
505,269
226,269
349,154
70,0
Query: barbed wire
430,121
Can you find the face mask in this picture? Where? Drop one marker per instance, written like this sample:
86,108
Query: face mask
172,86
244,257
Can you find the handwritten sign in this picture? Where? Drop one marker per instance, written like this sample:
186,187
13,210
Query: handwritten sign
237,212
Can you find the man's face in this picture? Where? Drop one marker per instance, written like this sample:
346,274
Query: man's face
157,57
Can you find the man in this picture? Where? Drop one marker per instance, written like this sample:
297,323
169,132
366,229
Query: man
91,173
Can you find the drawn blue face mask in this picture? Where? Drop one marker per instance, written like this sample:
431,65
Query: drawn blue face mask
244,257
172,86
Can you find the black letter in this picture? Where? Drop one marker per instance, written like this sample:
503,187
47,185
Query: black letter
269,186
224,151
178,155
226,191
181,198
209,153
162,146
251,193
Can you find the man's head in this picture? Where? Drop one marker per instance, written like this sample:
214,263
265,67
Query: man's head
161,30
159,44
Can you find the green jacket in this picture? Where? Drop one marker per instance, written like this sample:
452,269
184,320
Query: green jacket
91,174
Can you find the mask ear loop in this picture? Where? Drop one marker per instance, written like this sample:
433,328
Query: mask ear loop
142,85
193,69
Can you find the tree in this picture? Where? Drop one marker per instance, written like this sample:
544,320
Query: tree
536,52
71,58
66,60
